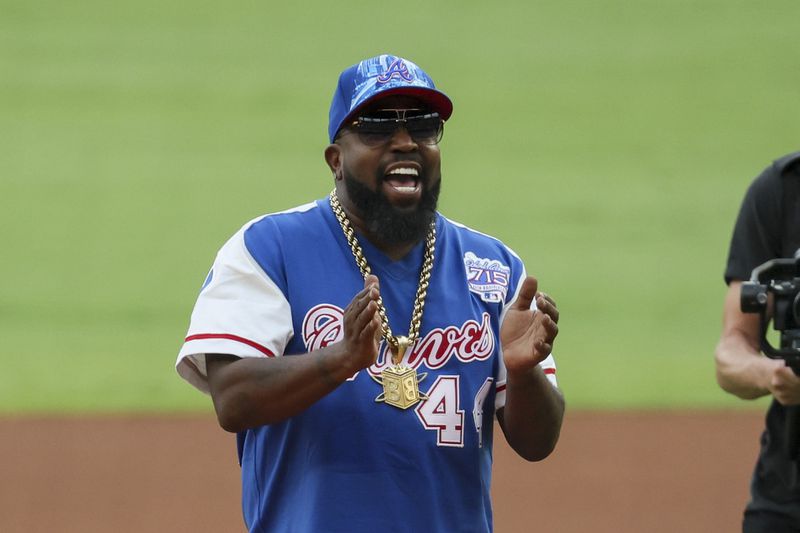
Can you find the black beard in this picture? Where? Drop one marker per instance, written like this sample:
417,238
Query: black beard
384,221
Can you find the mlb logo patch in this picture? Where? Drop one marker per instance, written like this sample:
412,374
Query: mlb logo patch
488,278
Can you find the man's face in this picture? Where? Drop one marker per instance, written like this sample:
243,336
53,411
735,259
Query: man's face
392,186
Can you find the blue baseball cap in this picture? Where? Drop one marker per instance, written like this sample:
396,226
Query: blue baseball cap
378,77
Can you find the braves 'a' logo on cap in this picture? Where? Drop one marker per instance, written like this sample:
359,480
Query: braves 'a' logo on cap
398,69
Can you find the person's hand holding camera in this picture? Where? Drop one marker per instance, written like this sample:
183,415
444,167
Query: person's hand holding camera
784,384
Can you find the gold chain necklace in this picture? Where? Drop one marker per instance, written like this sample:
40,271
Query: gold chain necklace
400,382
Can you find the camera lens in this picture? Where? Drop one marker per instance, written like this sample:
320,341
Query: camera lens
753,297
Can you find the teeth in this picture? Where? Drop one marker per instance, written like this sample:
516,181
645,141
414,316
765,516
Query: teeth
405,171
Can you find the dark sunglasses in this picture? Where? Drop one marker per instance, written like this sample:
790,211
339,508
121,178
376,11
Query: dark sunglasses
380,126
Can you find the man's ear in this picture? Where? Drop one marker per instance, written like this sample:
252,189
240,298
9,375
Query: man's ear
333,156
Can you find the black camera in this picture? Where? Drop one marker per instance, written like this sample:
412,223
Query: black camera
774,293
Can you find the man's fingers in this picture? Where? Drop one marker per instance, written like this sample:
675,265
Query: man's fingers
370,292
550,328
784,377
368,323
544,348
372,287
371,279
372,330
359,302
546,305
526,293
545,298
363,308
366,314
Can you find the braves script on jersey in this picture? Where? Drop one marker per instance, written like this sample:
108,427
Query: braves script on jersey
347,463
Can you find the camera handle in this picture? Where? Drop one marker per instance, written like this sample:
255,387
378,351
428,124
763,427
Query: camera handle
792,444
788,351
789,341
781,278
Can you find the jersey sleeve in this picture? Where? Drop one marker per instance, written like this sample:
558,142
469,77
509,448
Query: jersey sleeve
548,366
240,311
757,233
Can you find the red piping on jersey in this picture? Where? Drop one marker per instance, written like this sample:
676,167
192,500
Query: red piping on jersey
266,351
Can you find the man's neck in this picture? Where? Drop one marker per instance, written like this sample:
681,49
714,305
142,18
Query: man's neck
394,251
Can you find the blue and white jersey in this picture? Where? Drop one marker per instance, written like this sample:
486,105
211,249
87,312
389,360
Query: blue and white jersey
278,288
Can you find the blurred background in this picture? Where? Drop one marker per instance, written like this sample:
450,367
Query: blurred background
608,142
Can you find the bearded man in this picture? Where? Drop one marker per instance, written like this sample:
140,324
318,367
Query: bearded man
361,345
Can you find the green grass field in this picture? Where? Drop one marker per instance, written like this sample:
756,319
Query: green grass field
609,143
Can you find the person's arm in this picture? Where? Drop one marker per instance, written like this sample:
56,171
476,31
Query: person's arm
741,368
251,392
534,408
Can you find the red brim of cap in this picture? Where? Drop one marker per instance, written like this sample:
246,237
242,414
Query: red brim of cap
437,101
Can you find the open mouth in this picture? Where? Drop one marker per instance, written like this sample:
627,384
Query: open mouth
402,182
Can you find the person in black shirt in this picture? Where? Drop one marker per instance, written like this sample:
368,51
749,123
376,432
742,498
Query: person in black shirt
768,227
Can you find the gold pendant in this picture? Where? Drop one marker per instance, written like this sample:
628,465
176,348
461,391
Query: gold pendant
400,382
401,387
